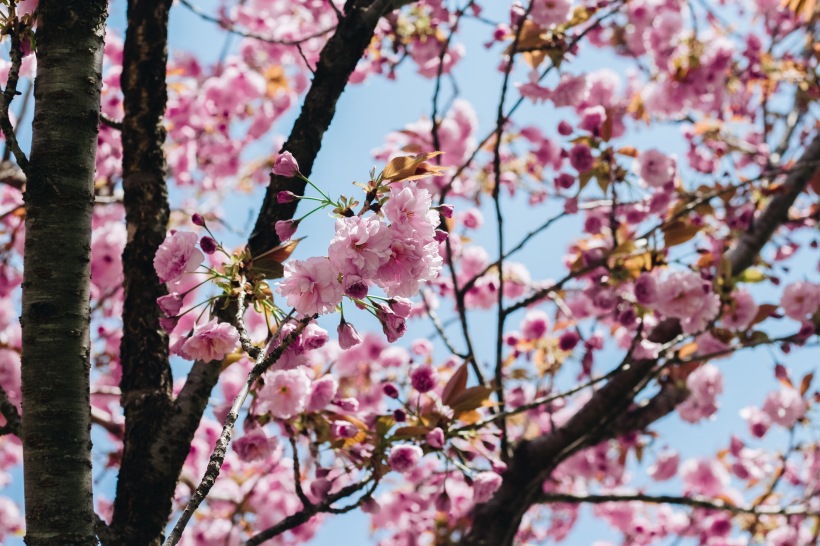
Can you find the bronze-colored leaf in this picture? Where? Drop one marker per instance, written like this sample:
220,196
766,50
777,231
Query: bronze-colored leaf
806,383
679,232
456,385
471,398
411,432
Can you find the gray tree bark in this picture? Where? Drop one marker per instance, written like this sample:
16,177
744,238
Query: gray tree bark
59,200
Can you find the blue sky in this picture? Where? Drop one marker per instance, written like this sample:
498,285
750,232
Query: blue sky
365,114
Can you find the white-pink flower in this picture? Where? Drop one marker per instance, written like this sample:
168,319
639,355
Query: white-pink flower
704,385
550,12
311,286
409,209
285,393
741,312
800,299
785,406
485,486
360,246
704,476
211,341
411,263
655,168
684,295
666,465
254,445
322,392
176,255
571,91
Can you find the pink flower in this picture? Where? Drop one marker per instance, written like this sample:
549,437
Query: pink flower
343,429
360,246
570,91
758,421
741,312
424,378
666,465
485,486
322,393
446,210
176,255
564,180
533,90
411,263
170,304
704,385
311,286
285,165
389,389
409,209
785,407
800,299
211,341
580,157
535,324
286,197
254,445
655,168
646,289
285,229
435,438
107,244
348,336
285,393
704,476
472,218
404,458
684,295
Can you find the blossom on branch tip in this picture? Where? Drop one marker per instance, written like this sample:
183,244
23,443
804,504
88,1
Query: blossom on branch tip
424,378
208,244
322,392
343,429
311,286
211,341
484,486
285,165
286,197
170,304
435,438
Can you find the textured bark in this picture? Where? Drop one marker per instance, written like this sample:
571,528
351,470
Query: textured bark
144,493
607,414
55,309
336,63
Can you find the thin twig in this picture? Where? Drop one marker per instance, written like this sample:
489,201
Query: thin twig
221,448
9,93
109,122
439,327
231,28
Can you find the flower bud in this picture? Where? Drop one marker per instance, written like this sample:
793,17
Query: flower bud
343,429
564,128
443,502
399,415
208,244
286,197
446,210
168,324
441,236
348,336
285,165
198,220
170,304
435,438
285,229
390,390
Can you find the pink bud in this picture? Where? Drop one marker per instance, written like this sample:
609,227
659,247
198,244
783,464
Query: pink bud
568,341
399,416
285,165
446,210
564,128
198,220
285,229
390,390
441,236
435,438
208,244
348,336
168,324
343,429
170,304
286,197
355,286
443,502
401,306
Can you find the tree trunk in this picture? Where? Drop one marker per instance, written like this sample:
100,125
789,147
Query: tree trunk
59,201
144,492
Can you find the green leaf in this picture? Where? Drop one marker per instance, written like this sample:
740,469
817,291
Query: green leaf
752,275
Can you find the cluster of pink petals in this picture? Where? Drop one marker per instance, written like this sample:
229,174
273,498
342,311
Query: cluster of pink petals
177,255
211,341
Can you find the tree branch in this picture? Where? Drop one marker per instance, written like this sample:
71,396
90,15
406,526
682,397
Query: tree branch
694,502
336,63
9,93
